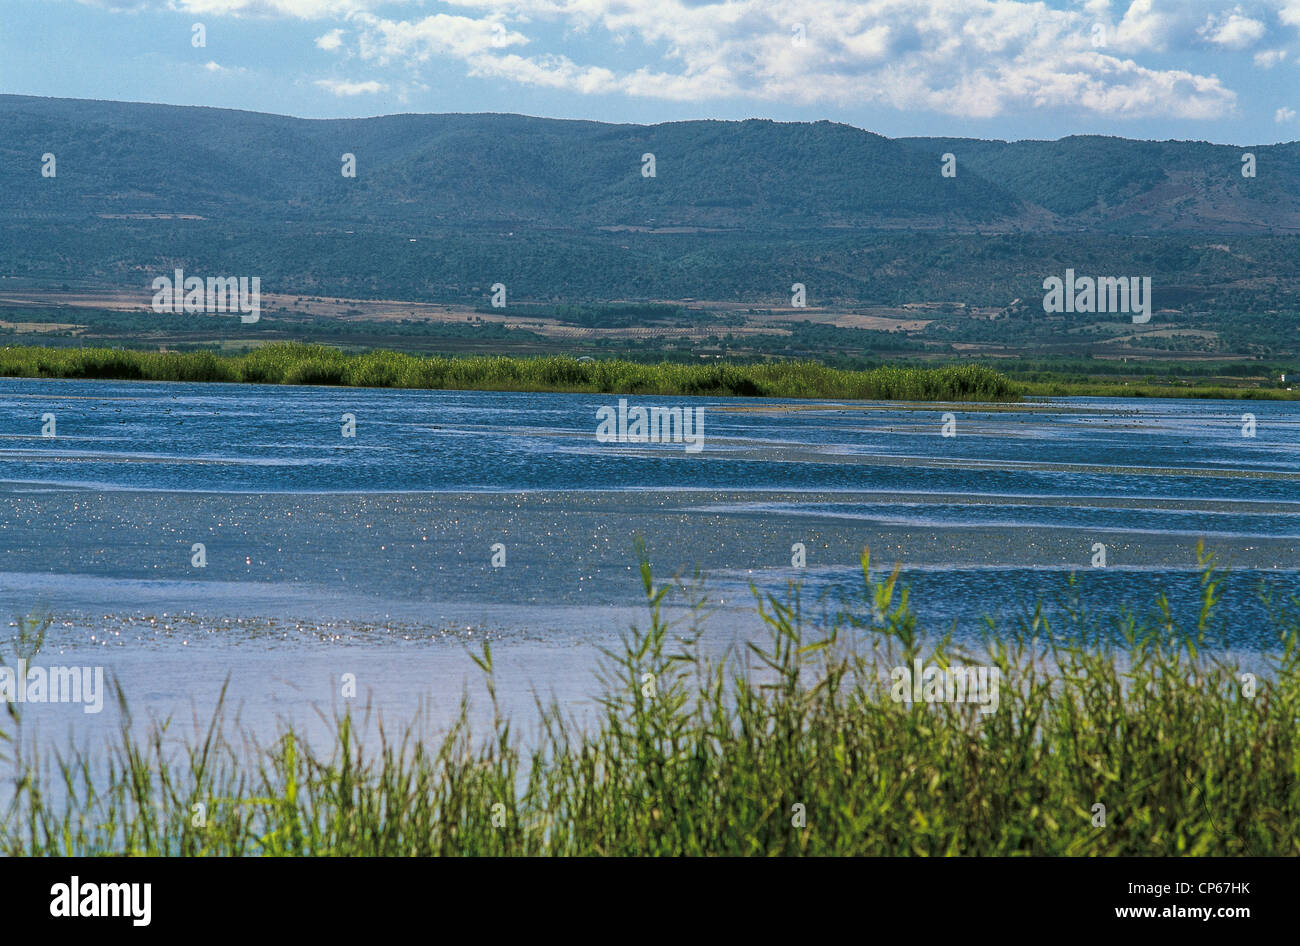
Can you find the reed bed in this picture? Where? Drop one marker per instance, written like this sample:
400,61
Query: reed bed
793,746
293,363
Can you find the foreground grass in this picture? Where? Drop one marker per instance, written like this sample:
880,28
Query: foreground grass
809,754
293,363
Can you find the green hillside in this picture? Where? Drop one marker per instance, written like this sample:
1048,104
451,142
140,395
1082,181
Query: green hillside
445,206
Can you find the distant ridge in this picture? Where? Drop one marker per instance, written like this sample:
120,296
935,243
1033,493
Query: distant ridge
118,157
444,206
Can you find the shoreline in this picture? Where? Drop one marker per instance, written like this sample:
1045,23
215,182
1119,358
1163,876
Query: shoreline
316,365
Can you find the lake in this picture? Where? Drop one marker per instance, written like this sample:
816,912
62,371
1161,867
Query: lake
373,554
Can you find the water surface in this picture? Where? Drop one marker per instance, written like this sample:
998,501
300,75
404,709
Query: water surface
373,554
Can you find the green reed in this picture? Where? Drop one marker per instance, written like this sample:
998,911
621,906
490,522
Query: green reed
790,746
294,363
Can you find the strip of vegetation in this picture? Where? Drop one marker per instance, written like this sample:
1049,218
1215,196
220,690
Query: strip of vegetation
292,363
1179,389
603,315
1123,740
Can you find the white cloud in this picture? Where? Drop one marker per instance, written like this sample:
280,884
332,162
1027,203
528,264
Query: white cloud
343,87
1284,115
961,57
979,58
1289,12
1268,58
459,37
218,69
1144,26
297,9
330,41
300,9
1232,30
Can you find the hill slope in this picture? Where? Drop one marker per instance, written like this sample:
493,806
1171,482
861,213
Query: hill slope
125,158
444,206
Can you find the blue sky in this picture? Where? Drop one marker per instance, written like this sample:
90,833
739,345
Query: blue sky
1217,71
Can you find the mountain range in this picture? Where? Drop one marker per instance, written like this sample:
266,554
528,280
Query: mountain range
444,206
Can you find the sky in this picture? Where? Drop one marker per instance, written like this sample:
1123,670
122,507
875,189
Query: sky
1187,69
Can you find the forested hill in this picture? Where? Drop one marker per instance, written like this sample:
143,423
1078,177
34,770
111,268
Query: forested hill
443,206
116,157
119,157
1120,184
